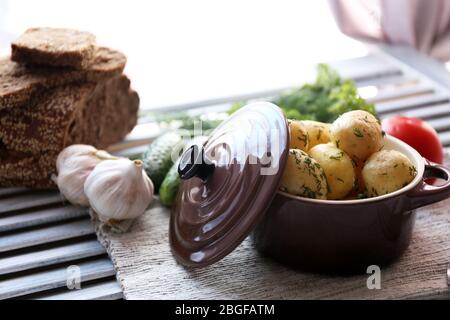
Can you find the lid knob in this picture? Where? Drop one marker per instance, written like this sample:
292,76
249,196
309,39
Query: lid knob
194,164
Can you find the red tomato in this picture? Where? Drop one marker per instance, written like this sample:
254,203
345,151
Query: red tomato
418,134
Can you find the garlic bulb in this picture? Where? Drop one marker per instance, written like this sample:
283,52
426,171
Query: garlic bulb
72,151
119,189
74,164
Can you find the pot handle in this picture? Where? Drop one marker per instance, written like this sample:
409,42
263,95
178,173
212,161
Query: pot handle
424,193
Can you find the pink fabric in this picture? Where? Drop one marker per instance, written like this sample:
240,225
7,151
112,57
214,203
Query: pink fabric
422,24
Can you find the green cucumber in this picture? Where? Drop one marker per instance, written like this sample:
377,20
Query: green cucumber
169,187
158,157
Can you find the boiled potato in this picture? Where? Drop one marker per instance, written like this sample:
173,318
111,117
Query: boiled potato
338,169
387,171
303,176
318,132
299,135
358,133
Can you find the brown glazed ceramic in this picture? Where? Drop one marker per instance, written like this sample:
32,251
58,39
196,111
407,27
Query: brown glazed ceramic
219,205
349,236
225,193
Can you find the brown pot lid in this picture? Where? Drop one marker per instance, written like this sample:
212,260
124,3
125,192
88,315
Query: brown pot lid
223,197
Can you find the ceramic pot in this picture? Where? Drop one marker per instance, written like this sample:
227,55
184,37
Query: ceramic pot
349,235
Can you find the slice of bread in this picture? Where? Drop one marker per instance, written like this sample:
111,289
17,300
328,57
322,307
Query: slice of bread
54,47
32,137
20,83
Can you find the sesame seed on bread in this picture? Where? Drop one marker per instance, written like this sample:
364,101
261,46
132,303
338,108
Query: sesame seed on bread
40,126
28,170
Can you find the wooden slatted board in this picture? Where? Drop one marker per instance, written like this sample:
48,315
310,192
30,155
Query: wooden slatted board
40,235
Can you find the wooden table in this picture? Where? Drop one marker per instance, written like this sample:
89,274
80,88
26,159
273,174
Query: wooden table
40,236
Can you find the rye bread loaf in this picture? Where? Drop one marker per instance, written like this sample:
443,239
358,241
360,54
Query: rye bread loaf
20,84
98,114
54,47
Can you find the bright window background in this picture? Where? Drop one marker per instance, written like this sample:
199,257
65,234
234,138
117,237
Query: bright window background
184,51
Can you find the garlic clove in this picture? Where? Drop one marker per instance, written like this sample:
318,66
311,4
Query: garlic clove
119,189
